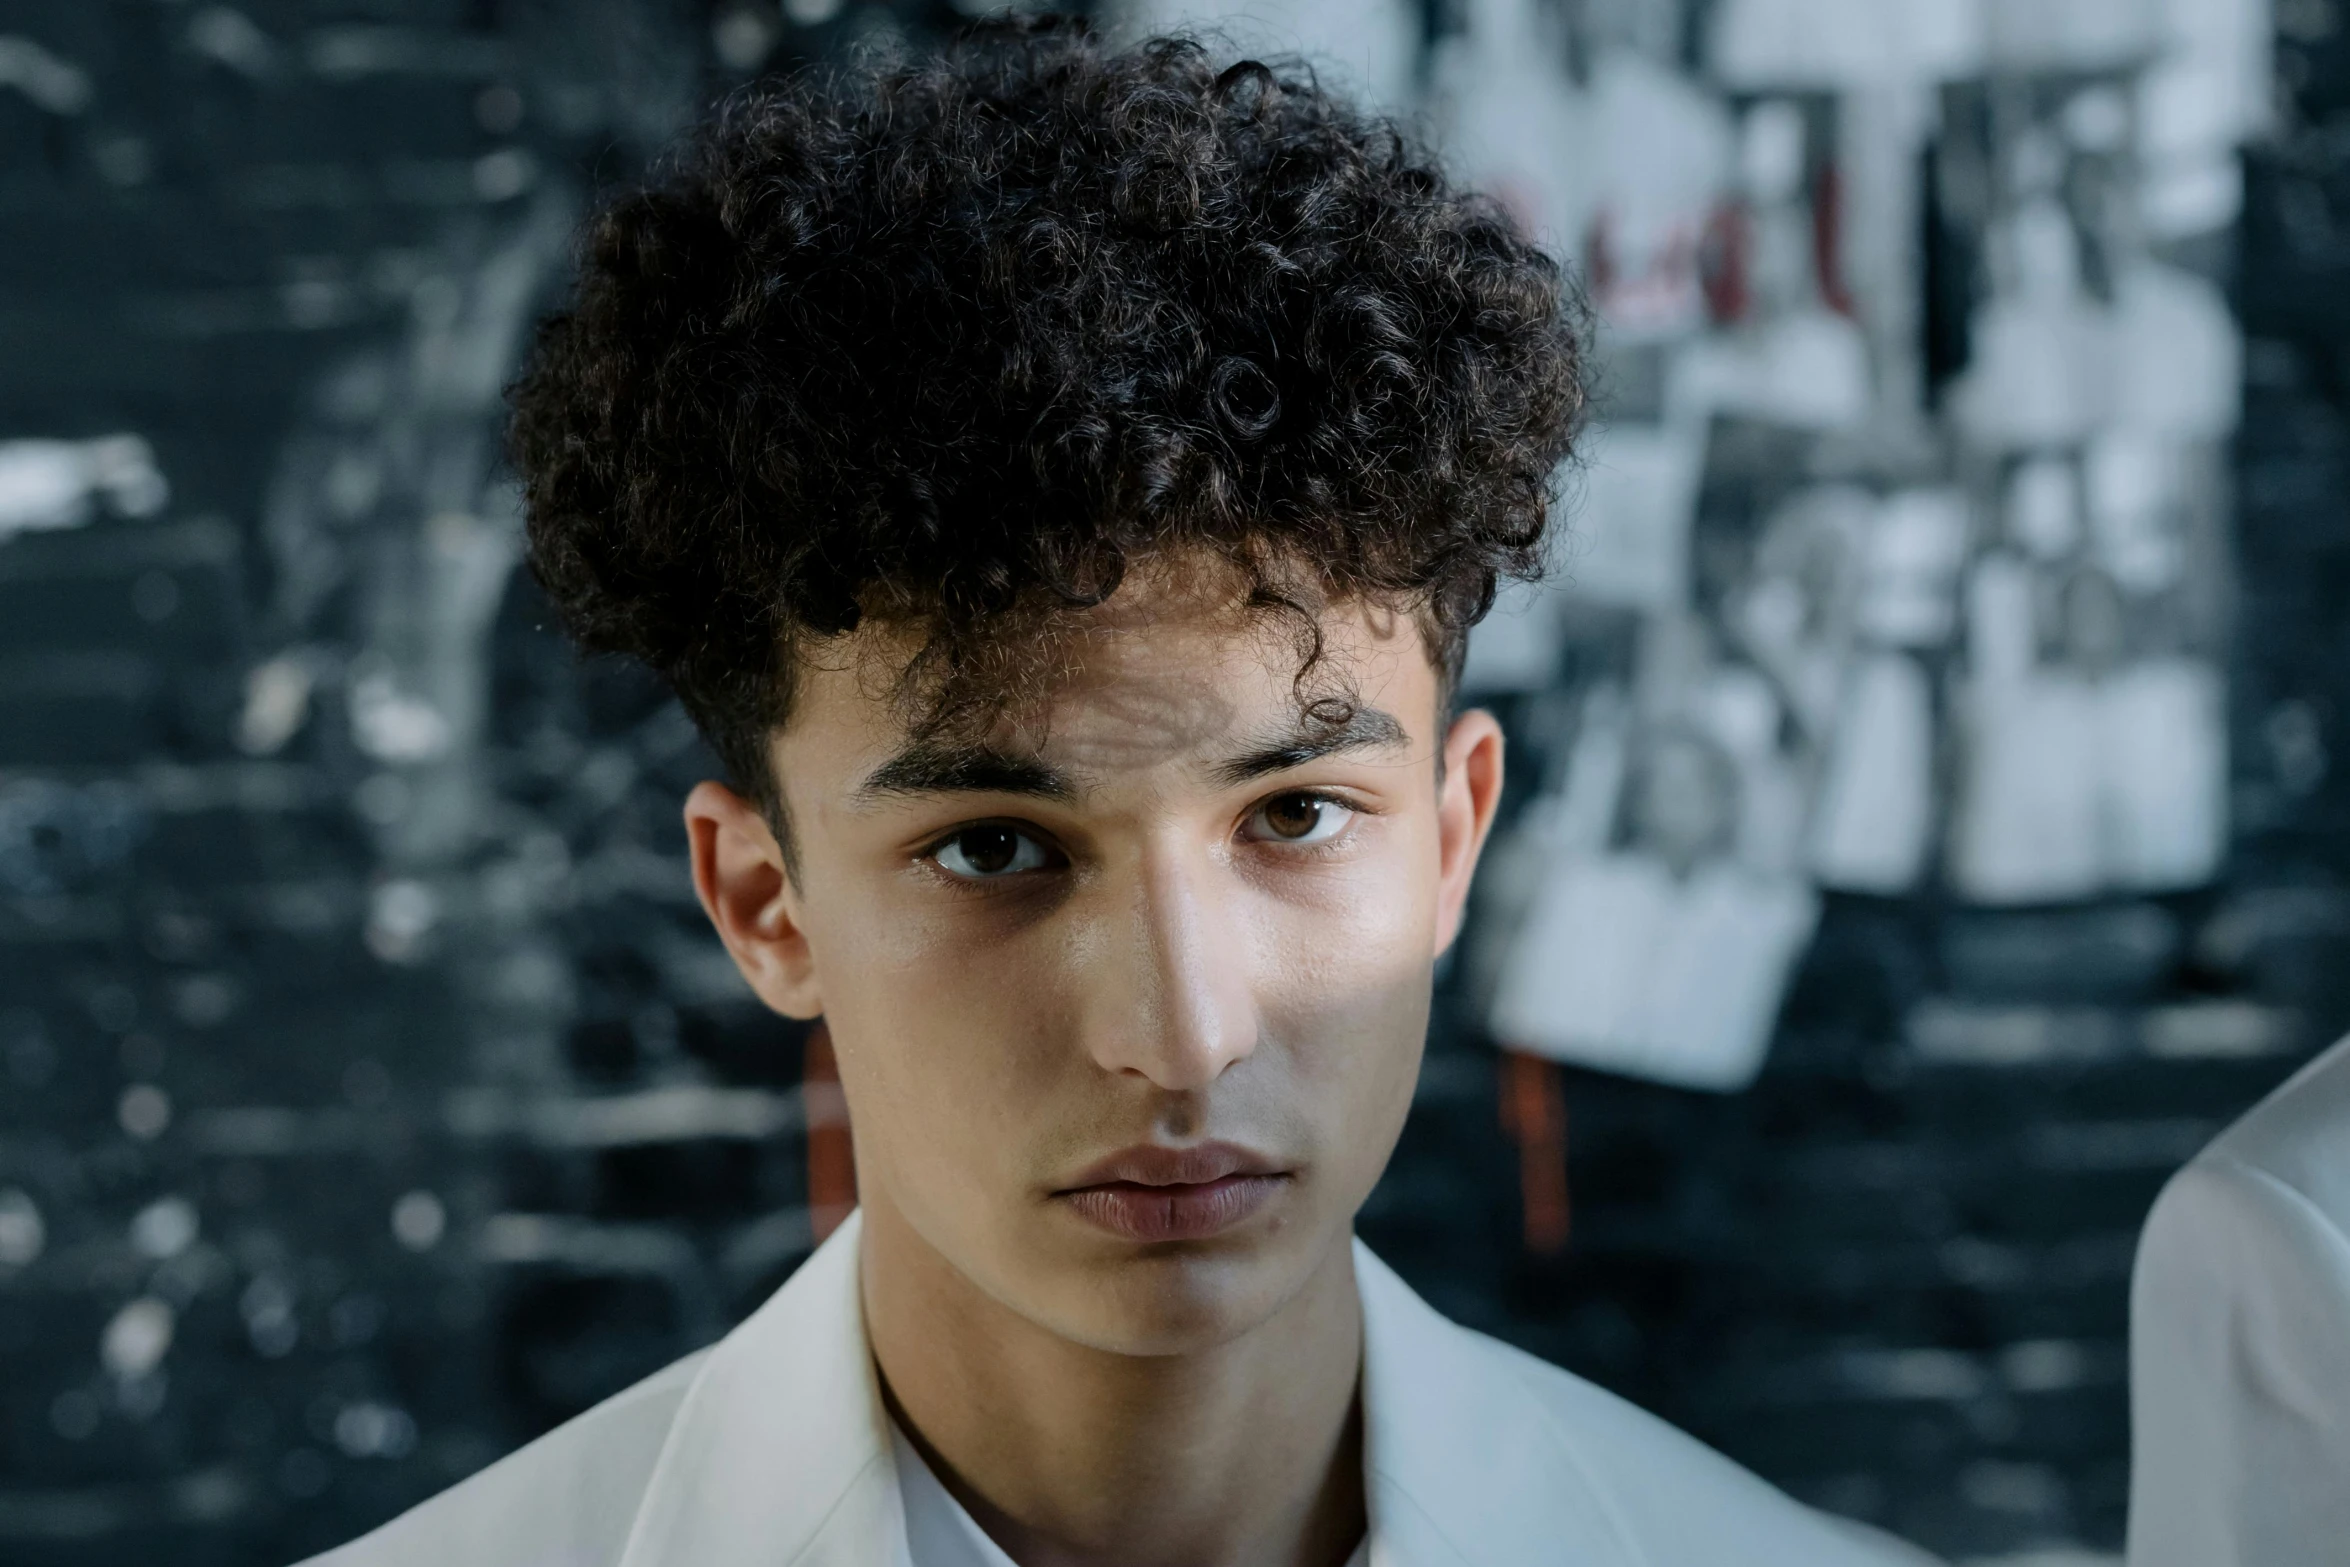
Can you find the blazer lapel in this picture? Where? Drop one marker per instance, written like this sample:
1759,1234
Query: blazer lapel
776,1457
1462,1464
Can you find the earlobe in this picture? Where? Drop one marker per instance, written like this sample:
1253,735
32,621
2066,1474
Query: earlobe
746,889
1465,807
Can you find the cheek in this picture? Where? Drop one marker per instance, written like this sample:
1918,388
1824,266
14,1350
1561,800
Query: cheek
1366,920
1353,1037
1347,978
938,1026
886,950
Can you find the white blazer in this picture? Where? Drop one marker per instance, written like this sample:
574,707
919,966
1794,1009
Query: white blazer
2240,1342
772,1449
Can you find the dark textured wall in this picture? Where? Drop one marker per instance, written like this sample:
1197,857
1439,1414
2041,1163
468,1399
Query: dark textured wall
371,1097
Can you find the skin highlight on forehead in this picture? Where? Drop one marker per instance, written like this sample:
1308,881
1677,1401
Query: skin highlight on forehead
1144,680
927,767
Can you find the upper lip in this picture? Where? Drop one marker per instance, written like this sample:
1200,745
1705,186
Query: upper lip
1149,1164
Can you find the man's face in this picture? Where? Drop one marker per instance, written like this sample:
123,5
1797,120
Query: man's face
1129,993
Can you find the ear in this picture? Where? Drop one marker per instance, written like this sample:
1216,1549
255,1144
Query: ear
1465,803
747,891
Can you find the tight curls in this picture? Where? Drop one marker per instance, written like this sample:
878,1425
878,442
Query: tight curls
956,341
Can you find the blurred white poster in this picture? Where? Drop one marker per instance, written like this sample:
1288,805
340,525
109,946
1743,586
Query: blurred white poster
2073,787
2208,90
1831,44
1875,818
1660,146
2070,35
1910,562
1807,368
1372,47
2088,772
1516,646
2178,354
2043,370
1626,967
2163,726
2135,496
1666,956
1631,503
2029,826
1513,119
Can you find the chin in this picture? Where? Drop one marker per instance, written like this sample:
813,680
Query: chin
1170,1300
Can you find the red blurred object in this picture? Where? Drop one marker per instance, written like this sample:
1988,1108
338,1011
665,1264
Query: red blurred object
1534,1113
1827,239
1725,262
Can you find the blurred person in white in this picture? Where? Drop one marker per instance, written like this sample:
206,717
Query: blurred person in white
2240,1342
1060,480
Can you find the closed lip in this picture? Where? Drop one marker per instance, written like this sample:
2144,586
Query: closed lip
1150,1164
1155,1195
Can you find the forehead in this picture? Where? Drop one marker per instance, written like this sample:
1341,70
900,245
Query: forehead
1158,674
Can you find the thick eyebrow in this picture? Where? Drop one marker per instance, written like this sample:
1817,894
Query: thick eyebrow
927,768
1365,729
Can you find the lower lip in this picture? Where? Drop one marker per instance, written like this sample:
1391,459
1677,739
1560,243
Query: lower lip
1173,1213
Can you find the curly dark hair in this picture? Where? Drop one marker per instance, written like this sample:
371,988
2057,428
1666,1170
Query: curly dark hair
958,339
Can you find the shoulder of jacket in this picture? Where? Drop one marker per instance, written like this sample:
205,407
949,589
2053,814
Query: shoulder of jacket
2300,1135
2225,1221
1679,1500
564,1500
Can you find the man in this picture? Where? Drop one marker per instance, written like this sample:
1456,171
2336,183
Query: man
1060,480
2240,1341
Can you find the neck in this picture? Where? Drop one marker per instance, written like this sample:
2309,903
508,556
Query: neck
1244,1454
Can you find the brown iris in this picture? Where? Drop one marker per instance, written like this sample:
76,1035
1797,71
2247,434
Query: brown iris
1293,815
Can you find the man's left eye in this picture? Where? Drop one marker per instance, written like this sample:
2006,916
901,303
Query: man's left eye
1298,819
989,852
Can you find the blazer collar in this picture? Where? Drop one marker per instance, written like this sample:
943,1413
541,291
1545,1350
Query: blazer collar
779,1453
1463,1463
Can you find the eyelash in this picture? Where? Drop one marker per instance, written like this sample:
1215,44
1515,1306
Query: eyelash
1320,797
946,840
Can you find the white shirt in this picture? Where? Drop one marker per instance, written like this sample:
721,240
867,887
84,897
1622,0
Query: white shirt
2240,1342
773,1449
940,1532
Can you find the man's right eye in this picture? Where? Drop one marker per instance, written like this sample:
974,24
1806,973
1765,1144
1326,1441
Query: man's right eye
989,853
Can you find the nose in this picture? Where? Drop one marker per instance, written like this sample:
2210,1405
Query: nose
1174,1002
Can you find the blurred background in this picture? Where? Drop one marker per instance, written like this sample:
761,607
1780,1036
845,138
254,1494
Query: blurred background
1923,833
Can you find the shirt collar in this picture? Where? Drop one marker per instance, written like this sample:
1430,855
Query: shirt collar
780,1451
939,1533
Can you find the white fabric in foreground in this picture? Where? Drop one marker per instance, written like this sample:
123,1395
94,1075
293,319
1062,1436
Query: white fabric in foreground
772,1449
939,1531
2240,1342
